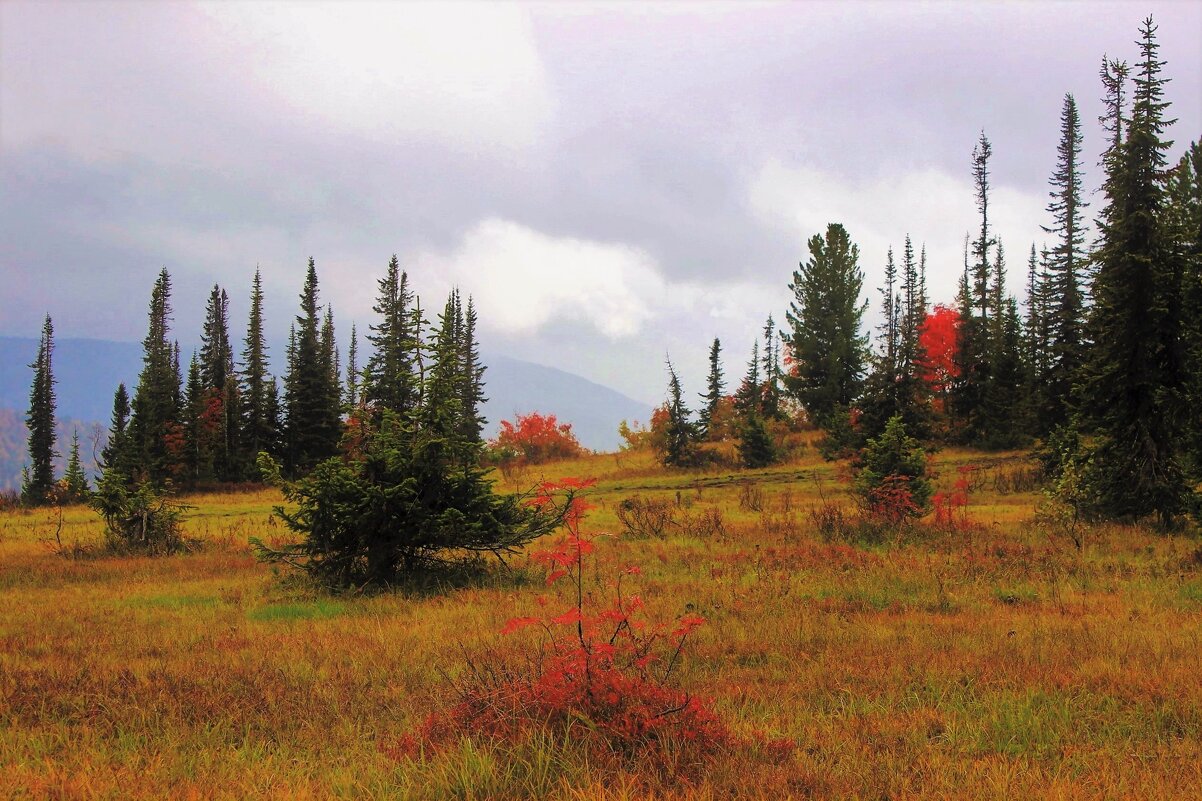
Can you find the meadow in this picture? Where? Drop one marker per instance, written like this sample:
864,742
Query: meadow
999,657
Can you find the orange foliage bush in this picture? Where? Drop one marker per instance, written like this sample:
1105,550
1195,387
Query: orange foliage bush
536,438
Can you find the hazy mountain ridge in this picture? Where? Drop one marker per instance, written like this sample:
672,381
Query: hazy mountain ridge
87,372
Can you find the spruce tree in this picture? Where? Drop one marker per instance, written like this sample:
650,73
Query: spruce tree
681,435
259,422
351,398
115,456
747,396
1184,220
75,480
714,387
154,424
200,421
471,379
39,481
771,393
312,395
1134,379
220,387
1067,268
825,316
390,378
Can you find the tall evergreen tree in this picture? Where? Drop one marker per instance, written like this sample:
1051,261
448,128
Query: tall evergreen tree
747,396
471,380
1067,268
714,389
771,393
75,480
828,349
1184,220
40,421
681,435
351,398
154,425
391,380
1134,378
220,387
260,403
115,456
311,391
200,422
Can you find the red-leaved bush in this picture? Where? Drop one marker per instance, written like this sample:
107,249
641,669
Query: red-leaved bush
951,508
604,673
536,438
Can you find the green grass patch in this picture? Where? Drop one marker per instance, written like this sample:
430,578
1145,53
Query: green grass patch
312,610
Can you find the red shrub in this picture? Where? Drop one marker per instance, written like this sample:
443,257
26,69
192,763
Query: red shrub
536,438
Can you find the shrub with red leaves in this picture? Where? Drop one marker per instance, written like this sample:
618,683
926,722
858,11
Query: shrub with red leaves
536,438
608,669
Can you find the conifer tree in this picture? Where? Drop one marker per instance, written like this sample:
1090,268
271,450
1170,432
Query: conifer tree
471,380
260,402
681,435
756,446
75,480
747,396
39,480
714,388
219,385
312,393
201,416
1135,375
115,456
390,377
825,317
154,424
1184,220
1067,260
771,391
351,399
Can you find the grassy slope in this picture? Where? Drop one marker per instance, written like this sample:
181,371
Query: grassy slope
997,663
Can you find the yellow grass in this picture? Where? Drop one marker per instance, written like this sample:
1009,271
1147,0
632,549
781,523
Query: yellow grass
1000,662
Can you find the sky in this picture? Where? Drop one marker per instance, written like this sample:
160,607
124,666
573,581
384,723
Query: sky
613,184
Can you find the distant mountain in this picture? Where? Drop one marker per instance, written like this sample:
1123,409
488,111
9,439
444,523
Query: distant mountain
594,410
87,372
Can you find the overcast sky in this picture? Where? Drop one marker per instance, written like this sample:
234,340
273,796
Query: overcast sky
611,182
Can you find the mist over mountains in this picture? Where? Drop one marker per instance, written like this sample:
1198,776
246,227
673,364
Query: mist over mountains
87,372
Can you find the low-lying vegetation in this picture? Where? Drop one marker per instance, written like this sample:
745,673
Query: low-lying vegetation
980,651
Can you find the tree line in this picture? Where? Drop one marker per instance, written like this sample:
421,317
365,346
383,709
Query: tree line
207,424
1102,368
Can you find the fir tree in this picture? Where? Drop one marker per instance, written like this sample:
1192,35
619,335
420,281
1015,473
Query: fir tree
154,424
201,415
219,386
825,317
1184,221
39,480
471,380
312,393
714,390
390,377
1067,259
1135,374
680,435
260,402
75,481
756,446
115,456
770,393
747,396
351,398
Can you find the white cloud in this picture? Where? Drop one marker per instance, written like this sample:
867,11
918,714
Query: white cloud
523,279
933,207
461,72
